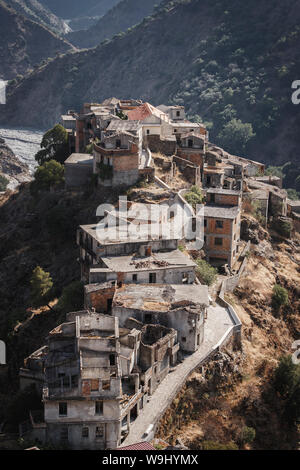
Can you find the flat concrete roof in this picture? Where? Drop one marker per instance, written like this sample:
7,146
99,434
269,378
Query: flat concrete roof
171,259
221,212
79,158
123,234
160,297
230,192
68,117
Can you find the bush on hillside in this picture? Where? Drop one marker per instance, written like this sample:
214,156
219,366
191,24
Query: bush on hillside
205,272
280,297
286,376
194,196
247,435
286,382
3,183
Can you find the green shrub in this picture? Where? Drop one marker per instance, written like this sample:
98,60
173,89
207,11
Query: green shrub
286,376
282,227
247,435
206,273
41,285
280,297
3,183
194,196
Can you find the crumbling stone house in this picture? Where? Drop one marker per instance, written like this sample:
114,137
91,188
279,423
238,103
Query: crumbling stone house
117,159
277,198
98,376
181,307
160,267
192,148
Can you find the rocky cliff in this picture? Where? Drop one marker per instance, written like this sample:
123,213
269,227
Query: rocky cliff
11,167
24,44
37,12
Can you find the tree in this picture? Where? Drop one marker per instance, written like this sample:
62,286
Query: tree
48,175
286,382
235,135
280,297
54,145
41,285
3,183
286,376
206,273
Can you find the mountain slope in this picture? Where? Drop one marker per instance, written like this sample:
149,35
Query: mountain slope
77,8
124,15
35,11
24,43
224,61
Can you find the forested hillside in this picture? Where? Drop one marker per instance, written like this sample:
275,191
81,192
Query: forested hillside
125,14
24,44
230,63
35,11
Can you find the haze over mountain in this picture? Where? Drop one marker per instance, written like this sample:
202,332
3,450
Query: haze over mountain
229,62
35,11
77,8
24,43
122,16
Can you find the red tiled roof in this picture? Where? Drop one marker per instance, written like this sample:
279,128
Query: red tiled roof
140,113
139,446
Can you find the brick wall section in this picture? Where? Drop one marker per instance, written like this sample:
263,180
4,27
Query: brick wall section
98,299
224,199
211,226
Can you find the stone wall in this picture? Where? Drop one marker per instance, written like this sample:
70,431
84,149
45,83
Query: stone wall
157,145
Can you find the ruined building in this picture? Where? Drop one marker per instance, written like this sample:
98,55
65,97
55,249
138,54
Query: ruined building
97,376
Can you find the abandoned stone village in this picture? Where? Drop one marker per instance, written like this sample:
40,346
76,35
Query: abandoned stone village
108,373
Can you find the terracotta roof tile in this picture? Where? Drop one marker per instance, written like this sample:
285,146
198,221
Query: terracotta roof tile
139,446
